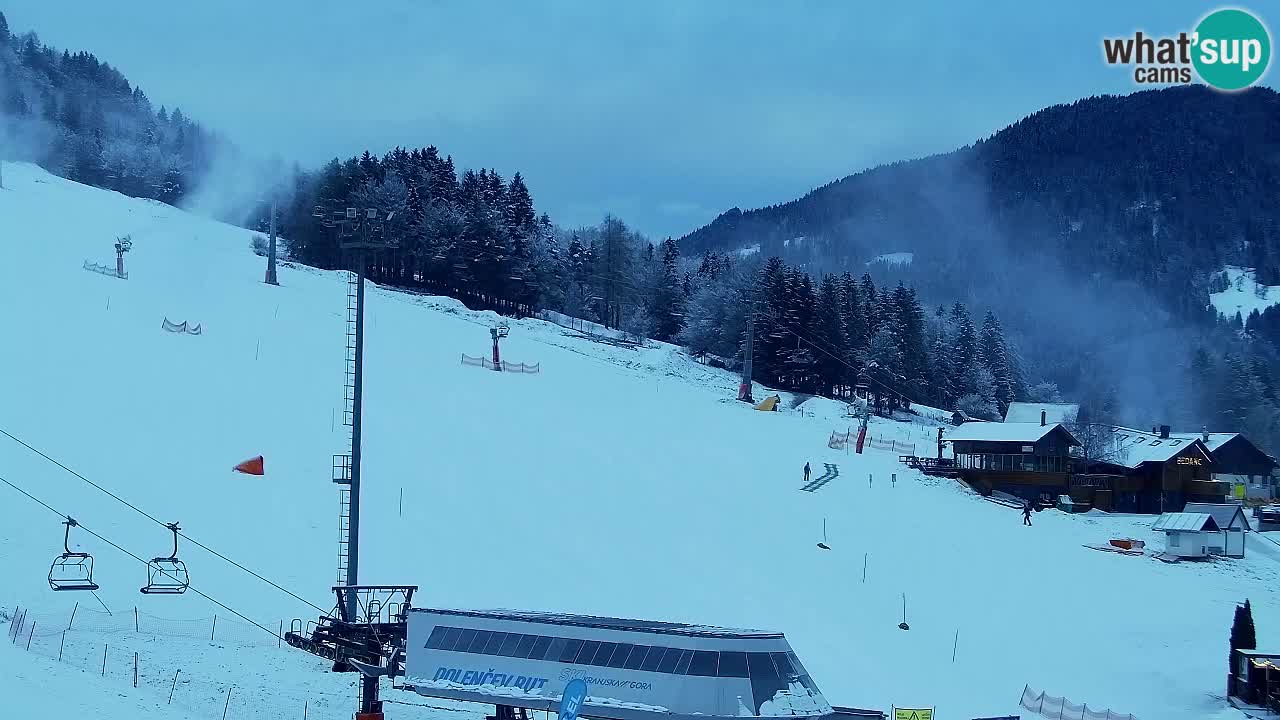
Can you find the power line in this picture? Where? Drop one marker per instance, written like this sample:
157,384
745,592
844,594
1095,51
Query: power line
108,541
148,516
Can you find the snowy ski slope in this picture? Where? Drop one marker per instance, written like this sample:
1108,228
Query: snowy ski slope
616,482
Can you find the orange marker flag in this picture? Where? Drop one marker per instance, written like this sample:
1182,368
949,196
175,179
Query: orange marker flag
252,466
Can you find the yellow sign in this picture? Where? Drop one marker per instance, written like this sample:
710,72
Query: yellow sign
1188,461
907,714
1238,491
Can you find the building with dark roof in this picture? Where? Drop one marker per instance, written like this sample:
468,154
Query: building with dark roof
1030,460
1154,472
1251,472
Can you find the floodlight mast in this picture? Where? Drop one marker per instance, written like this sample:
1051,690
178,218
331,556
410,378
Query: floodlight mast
357,231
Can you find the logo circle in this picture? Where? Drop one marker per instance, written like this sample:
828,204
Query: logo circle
1233,49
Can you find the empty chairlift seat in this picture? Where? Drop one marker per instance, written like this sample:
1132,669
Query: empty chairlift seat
167,575
71,570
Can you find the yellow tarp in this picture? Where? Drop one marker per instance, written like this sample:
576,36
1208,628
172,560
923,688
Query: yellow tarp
769,403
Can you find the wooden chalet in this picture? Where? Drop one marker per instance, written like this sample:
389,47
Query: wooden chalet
1151,472
1237,461
1030,460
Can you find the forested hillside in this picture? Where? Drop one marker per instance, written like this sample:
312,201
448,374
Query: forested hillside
1095,230
80,118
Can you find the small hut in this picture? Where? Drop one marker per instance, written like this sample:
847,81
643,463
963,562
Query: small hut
1189,535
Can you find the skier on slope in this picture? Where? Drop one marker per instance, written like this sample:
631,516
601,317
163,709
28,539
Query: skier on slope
806,471
1026,514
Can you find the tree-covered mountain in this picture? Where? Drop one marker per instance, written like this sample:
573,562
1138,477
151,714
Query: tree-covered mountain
1096,230
80,118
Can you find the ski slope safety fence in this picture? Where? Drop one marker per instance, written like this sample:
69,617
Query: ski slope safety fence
179,662
591,329
487,364
108,270
181,327
1060,708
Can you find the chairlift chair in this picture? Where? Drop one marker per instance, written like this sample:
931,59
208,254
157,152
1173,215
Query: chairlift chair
71,570
167,575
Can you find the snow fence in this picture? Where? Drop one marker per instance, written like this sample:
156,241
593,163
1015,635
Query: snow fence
487,364
188,663
1060,708
181,327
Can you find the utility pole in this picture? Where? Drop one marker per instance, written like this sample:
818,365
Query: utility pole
744,390
271,252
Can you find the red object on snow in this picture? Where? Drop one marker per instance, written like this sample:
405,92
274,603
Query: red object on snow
862,436
252,466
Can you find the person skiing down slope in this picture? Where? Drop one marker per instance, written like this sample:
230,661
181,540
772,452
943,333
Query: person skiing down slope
1026,514
806,472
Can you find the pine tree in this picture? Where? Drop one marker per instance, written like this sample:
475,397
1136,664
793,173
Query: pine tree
1243,634
668,303
414,241
870,304
855,319
829,334
4,30
994,356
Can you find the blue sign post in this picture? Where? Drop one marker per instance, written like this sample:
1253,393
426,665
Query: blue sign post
571,700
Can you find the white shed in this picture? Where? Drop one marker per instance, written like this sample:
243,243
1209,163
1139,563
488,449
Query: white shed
1188,534
1232,521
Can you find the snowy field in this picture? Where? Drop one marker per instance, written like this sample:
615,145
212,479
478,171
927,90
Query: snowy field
616,482
895,258
1244,295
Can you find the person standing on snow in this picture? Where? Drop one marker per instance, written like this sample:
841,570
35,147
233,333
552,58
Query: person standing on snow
806,471
1026,514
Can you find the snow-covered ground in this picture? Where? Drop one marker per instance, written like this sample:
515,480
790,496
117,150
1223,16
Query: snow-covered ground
1244,295
615,482
896,258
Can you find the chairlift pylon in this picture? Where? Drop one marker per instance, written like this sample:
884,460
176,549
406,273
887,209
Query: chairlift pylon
167,575
71,570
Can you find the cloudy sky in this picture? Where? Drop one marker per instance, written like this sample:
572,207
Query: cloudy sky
662,112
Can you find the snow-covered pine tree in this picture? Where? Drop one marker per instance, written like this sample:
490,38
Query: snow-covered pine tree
995,359
829,333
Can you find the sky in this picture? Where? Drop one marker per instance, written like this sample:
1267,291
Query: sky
663,112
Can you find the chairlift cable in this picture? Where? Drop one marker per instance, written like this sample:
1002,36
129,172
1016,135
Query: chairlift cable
108,541
148,516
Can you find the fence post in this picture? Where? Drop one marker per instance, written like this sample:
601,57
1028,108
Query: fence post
135,618
864,567
304,709
228,703
280,635
135,669
174,686
104,659
214,629
74,608
61,644
30,634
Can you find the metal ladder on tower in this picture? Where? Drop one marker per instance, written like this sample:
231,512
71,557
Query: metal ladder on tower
342,462
342,476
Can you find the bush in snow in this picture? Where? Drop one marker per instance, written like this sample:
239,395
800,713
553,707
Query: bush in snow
259,245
